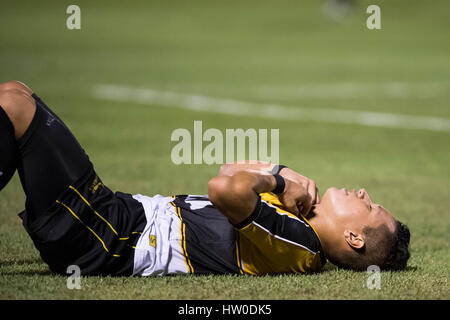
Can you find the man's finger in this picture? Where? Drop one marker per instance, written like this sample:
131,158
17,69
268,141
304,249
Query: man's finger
295,209
312,190
306,209
306,203
317,196
299,208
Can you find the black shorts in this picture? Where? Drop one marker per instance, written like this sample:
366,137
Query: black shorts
71,216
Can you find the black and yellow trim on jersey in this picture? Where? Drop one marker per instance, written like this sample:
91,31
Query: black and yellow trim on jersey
183,238
88,225
272,240
132,237
209,240
238,256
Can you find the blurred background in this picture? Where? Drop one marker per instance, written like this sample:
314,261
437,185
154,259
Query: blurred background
313,56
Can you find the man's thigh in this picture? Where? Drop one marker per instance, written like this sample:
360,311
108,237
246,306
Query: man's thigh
51,159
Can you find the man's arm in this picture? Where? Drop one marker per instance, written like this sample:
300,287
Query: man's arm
261,167
236,196
230,169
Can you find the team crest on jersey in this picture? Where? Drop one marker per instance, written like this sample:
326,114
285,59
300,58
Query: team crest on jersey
96,185
153,240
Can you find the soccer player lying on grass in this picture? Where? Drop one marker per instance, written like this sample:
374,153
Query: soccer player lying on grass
253,220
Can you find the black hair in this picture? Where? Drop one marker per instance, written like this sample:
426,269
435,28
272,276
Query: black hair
389,251
399,253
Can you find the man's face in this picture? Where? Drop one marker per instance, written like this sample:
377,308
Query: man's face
355,209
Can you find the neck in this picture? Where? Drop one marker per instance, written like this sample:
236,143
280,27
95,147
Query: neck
317,217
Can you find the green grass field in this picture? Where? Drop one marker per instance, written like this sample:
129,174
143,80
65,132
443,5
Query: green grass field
288,53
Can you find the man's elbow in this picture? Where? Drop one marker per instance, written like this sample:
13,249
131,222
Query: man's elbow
217,189
233,196
225,170
226,190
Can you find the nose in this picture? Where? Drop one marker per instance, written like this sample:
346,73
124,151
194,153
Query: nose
361,193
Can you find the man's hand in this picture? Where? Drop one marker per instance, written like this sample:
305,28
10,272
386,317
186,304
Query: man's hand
307,183
300,193
296,198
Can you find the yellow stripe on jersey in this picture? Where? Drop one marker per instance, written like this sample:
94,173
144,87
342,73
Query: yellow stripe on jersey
92,231
93,210
263,251
183,239
238,256
127,238
101,217
271,198
191,269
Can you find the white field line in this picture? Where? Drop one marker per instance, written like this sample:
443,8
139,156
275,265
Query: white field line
348,90
272,111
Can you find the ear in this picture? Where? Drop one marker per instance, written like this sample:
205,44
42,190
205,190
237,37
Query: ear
354,239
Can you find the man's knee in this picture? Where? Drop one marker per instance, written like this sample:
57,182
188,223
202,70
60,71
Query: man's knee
15,85
18,105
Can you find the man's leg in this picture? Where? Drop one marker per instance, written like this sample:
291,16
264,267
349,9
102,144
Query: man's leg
72,218
13,101
49,157
8,149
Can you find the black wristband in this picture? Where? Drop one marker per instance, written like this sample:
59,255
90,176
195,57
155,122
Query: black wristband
280,184
277,168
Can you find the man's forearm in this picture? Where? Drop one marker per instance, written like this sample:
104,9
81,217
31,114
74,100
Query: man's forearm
230,169
236,195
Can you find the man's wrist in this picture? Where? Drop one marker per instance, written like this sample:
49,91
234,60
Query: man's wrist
280,184
277,169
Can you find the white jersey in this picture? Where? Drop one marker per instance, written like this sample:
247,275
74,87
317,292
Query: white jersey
158,250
